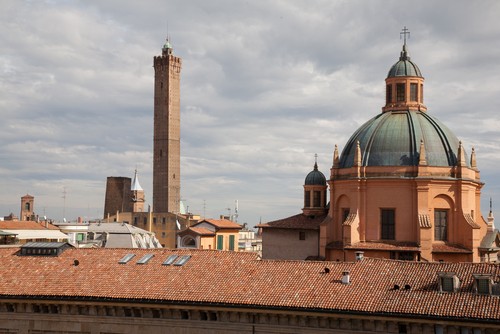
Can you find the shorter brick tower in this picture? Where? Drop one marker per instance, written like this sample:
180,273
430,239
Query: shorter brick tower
118,195
27,207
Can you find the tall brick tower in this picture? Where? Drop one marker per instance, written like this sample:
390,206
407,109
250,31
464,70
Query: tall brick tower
167,123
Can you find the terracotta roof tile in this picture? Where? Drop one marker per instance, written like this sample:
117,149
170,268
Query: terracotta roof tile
470,220
221,223
239,279
424,220
386,245
26,225
197,230
351,218
449,248
299,221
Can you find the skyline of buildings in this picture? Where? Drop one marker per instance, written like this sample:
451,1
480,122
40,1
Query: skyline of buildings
85,113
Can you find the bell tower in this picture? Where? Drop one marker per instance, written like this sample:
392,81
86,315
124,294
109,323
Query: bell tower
27,207
137,195
166,141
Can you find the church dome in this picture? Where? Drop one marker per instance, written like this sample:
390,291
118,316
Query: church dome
393,139
315,177
404,67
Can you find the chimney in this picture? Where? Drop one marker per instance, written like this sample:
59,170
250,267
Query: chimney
346,278
360,255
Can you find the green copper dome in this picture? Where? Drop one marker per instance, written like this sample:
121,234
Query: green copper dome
404,67
393,139
315,177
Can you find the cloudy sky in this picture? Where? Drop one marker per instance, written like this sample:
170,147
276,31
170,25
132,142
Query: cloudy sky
265,86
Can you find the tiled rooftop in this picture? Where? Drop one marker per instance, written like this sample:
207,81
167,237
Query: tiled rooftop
197,230
26,225
299,221
221,223
239,279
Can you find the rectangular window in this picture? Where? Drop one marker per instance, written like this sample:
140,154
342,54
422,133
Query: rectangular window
307,199
400,92
421,93
387,224
483,285
317,199
447,284
414,92
163,220
135,221
388,94
345,214
154,220
145,220
79,237
405,256
302,235
220,242
231,242
440,224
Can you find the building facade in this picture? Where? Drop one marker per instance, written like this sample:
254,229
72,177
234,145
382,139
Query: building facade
220,234
297,237
403,187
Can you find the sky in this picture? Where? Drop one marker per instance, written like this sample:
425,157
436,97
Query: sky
265,85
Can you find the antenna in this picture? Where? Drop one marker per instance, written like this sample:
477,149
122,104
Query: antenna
236,211
64,203
204,208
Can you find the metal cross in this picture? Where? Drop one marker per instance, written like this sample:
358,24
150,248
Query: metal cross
315,157
404,33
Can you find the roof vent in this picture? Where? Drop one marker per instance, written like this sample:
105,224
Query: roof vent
407,287
360,255
396,287
326,270
346,278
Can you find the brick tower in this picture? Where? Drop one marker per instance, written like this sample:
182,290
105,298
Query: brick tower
118,195
27,207
166,142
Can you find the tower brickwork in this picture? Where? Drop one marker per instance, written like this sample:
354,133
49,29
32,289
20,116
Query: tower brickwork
118,195
27,207
166,142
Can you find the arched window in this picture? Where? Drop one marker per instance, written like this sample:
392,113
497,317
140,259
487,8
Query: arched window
188,242
27,206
